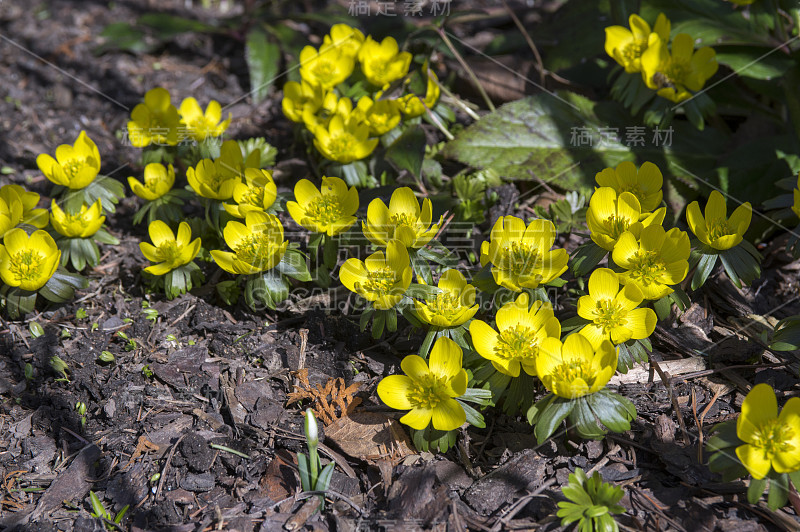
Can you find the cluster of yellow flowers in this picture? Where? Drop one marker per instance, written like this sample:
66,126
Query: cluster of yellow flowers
671,70
345,130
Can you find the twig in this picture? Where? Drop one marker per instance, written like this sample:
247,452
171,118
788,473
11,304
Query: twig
185,313
166,465
466,67
229,450
666,379
531,45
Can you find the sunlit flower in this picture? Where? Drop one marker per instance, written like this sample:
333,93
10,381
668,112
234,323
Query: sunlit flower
403,219
383,63
574,368
168,251
796,194
155,121
612,312
381,278
654,261
382,116
257,244
610,215
216,179
74,166
716,229
412,105
81,224
297,97
345,38
520,331
453,305
315,117
257,194
521,256
327,67
429,392
158,180
202,125
329,210
772,441
344,142
20,207
644,183
28,262
10,212
673,74
626,46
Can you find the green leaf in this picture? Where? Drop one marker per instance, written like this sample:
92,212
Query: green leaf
584,420
378,323
425,348
778,491
294,265
124,37
756,489
474,417
755,62
263,61
613,413
704,268
586,257
305,472
168,26
551,416
408,151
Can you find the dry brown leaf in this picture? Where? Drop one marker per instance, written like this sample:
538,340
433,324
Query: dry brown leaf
370,436
331,402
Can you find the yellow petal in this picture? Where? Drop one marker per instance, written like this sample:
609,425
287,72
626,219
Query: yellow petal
448,415
716,207
418,418
603,284
445,358
755,460
394,389
758,407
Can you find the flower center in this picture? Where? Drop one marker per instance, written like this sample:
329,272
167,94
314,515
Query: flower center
774,437
379,68
608,316
717,228
636,190
677,71
341,146
325,210
323,70
634,50
255,249
380,281
404,218
647,267
428,391
25,264
519,257
73,166
169,252
445,304
78,219
569,372
517,342
254,196
616,225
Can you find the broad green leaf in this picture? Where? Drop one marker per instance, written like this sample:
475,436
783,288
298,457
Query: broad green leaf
408,151
263,60
168,26
753,61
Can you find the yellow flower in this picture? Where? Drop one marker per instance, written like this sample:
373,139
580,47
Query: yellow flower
655,260
520,256
320,116
627,46
382,116
28,262
453,305
257,244
412,105
674,74
344,142
796,193
158,180
403,219
613,312
383,63
257,195
772,441
216,179
327,67
24,208
155,121
75,166
610,215
521,330
716,229
81,224
574,369
328,210
168,251
297,97
429,392
381,278
345,38
203,125
645,183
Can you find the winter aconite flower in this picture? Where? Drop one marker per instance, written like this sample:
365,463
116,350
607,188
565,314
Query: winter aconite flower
654,261
673,74
429,392
796,195
169,251
412,105
644,183
74,166
327,67
81,224
158,180
609,216
772,441
612,312
216,179
345,38
403,219
716,229
10,212
626,46
452,306
24,209
344,141
297,97
202,125
155,121
381,115
520,256
257,244
28,261
383,63
329,210
520,332
258,193
382,278
574,368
